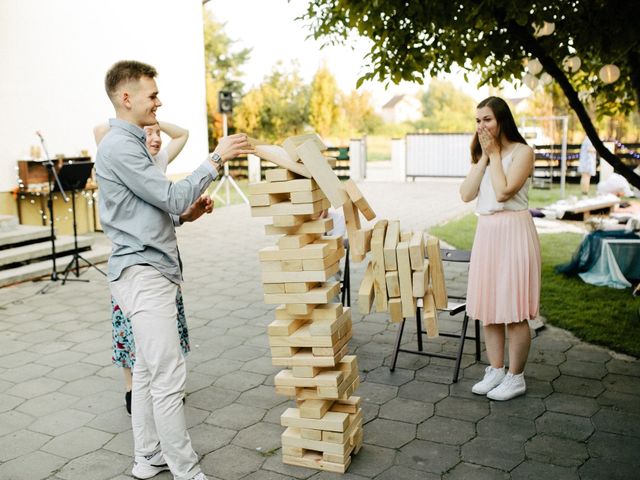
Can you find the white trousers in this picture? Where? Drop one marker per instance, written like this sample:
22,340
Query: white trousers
148,299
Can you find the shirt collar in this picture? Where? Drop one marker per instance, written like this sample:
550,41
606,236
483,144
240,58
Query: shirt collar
129,127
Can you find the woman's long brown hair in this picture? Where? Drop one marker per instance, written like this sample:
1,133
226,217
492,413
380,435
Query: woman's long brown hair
506,125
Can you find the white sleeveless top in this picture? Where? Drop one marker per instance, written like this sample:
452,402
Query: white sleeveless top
487,203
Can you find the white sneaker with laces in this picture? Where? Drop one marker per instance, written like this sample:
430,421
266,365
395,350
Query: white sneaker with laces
492,378
200,476
511,387
149,466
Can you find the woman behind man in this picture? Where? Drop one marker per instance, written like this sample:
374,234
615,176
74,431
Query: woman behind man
504,275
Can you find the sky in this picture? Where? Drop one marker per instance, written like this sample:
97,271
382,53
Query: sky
270,29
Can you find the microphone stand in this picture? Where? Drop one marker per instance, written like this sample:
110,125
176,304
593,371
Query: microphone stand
52,176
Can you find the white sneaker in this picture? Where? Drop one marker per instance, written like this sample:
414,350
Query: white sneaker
512,386
492,378
149,466
199,476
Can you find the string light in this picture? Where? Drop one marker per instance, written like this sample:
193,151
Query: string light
609,73
633,154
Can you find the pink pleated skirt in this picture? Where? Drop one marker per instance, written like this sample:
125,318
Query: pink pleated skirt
504,275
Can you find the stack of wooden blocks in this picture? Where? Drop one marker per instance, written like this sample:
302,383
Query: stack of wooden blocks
310,333
398,275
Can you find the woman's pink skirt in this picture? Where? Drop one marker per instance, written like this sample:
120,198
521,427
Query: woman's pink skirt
504,275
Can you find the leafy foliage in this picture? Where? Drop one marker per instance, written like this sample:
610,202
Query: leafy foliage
446,109
324,112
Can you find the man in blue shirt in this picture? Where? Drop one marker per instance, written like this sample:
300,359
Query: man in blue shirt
136,205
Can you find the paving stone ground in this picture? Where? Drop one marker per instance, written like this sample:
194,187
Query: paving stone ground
61,400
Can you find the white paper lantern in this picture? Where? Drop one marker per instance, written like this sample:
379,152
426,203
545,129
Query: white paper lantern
571,64
530,81
609,73
534,66
546,79
547,28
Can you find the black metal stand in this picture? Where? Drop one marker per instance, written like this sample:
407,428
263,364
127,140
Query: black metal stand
76,255
346,280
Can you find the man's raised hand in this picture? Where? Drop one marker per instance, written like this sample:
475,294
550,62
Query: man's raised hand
232,146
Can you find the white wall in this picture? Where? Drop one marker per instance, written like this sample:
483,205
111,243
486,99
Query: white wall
53,58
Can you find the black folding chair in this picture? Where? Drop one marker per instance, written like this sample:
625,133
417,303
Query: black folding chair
455,305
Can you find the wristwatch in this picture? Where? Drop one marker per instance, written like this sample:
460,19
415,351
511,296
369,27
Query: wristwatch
217,160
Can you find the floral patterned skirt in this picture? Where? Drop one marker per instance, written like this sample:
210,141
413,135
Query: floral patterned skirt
124,347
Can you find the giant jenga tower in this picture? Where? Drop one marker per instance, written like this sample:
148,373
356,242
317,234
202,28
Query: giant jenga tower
310,334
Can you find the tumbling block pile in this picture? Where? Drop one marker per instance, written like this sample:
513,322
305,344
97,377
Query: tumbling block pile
398,275
311,331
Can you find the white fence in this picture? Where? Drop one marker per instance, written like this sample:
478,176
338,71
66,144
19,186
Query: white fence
438,154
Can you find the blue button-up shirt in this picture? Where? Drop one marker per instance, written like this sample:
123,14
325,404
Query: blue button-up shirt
137,201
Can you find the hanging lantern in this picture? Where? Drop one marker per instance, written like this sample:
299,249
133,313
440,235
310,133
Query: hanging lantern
546,79
571,64
609,73
547,28
530,81
534,66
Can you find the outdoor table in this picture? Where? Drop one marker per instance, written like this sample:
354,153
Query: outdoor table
619,261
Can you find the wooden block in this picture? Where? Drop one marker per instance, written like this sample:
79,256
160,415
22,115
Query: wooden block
355,422
307,197
390,243
293,452
329,326
365,292
322,294
351,219
313,408
301,185
289,266
393,283
313,250
285,327
356,197
301,276
288,208
305,371
291,144
280,175
305,357
405,236
315,460
327,351
299,309
299,287
273,288
349,405
267,199
437,273
395,310
279,156
335,242
288,391
416,251
331,421
327,378
290,221
322,173
323,263
328,312
302,338
404,272
297,240
421,280
284,352
321,225
360,242
310,434
430,315
379,281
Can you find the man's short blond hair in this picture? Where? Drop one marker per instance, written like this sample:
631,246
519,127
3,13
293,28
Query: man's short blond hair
126,71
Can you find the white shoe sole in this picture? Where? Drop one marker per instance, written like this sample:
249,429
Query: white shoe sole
144,472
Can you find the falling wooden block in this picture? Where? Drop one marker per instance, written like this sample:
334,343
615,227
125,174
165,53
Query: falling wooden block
377,251
358,199
416,251
437,273
390,243
395,310
404,273
421,281
300,185
291,144
322,173
430,315
393,284
279,156
361,242
365,292
321,225
280,175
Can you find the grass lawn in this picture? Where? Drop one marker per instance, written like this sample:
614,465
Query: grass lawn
599,315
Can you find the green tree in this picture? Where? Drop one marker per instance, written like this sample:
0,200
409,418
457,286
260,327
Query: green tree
359,114
446,108
324,112
496,39
223,69
278,108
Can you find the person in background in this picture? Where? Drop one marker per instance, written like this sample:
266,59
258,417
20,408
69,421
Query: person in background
504,274
124,351
587,165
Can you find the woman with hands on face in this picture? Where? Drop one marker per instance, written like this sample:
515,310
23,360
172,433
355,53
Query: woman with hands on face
504,275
